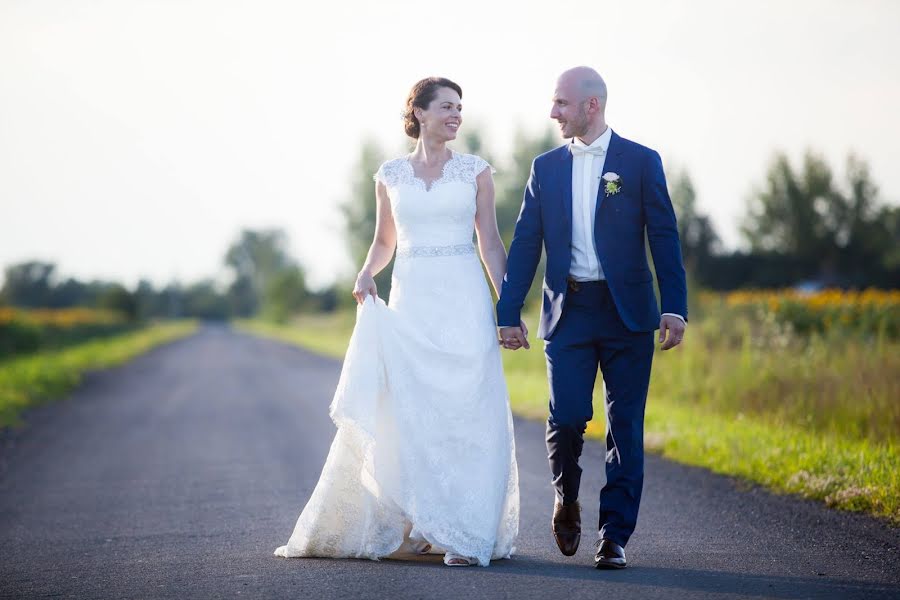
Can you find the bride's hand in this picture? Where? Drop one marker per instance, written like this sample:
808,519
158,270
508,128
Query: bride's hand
513,338
365,285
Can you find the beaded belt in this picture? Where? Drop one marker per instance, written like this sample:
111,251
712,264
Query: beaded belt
431,251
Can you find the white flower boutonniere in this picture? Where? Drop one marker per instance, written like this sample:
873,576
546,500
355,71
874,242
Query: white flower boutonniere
612,184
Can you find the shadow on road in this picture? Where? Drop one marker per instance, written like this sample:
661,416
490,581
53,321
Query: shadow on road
692,580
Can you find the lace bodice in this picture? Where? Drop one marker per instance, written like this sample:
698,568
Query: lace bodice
437,216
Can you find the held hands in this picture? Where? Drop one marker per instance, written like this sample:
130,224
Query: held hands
365,285
671,331
513,338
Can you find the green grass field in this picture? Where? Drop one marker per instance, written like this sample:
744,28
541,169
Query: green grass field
817,416
28,380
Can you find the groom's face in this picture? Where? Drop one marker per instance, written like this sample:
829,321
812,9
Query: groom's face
569,111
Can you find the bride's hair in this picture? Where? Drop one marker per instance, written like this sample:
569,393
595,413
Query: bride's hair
421,95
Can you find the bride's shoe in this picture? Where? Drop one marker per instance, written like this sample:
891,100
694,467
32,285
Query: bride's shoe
452,559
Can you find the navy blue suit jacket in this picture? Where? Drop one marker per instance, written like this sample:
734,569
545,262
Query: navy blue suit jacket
621,220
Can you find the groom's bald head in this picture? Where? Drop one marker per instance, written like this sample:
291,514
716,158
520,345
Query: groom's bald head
579,104
584,83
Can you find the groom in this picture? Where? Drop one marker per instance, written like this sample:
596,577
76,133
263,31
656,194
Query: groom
590,202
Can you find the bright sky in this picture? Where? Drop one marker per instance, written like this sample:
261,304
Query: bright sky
137,138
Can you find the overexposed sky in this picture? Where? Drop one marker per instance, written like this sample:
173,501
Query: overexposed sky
137,138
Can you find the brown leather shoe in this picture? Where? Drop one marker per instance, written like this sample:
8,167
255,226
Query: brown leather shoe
609,555
566,527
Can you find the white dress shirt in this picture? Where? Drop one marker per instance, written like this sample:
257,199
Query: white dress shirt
587,170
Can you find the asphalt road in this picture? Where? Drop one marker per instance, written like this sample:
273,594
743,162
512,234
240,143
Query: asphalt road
177,475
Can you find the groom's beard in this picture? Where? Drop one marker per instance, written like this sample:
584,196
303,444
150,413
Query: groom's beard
577,127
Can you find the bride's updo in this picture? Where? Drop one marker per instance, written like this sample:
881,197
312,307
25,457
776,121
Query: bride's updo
421,95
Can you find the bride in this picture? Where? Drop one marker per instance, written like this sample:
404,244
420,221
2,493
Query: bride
424,456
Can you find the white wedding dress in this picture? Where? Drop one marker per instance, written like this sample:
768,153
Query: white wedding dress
424,452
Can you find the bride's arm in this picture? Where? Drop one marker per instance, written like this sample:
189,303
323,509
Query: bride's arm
382,249
493,254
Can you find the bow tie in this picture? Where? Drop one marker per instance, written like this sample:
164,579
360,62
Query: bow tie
578,150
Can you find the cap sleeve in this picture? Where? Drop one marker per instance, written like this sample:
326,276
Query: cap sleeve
480,165
379,175
388,173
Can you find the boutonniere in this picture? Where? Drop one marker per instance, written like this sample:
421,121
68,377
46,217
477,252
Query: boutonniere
612,184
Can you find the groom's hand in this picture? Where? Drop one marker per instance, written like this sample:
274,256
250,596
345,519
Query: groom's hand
514,338
671,331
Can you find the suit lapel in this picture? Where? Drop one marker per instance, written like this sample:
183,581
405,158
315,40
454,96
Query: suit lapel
612,164
564,173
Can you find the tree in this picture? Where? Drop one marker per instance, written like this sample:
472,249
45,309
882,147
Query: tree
511,180
203,300
471,142
794,211
28,284
842,236
120,300
285,294
243,299
71,292
867,231
259,261
360,210
699,240
148,301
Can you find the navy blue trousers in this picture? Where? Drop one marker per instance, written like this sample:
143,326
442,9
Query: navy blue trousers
589,335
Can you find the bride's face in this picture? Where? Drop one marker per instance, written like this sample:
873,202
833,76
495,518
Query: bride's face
443,118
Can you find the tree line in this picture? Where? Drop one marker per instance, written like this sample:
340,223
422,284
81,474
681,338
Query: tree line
265,280
803,225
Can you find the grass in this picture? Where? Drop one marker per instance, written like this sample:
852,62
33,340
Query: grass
327,334
24,331
816,416
26,381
